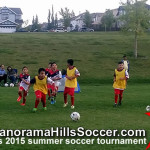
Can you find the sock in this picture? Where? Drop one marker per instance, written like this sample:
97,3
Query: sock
120,97
65,99
49,93
24,100
44,103
20,94
116,99
36,103
72,100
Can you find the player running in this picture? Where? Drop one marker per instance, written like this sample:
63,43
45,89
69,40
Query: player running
23,85
71,82
120,80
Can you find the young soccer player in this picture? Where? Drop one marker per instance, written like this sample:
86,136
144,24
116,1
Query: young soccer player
71,82
23,85
49,86
55,75
120,79
40,88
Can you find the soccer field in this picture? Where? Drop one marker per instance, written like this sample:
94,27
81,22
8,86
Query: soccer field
95,55
95,105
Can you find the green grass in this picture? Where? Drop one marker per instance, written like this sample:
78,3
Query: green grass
94,104
96,56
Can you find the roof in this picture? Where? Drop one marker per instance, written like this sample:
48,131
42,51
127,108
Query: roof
16,10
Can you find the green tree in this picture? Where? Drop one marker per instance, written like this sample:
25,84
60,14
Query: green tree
135,18
56,21
52,18
66,15
87,19
49,20
108,19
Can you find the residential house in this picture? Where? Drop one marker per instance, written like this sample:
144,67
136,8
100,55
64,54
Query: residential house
10,19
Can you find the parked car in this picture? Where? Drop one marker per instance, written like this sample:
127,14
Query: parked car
60,30
86,30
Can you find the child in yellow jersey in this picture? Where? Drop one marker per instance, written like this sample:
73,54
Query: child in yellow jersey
71,82
40,88
120,79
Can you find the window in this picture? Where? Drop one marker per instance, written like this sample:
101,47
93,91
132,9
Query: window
4,16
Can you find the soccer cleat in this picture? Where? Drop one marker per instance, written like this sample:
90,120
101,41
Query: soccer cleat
52,102
44,108
19,98
72,107
115,105
22,104
119,104
65,104
34,109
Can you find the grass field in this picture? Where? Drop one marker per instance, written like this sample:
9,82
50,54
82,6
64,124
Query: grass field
96,55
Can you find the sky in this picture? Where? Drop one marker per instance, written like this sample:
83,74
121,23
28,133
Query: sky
40,7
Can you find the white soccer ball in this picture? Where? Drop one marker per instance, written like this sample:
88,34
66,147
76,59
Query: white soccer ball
75,116
6,85
11,85
148,108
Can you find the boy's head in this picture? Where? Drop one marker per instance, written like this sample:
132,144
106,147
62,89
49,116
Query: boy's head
124,57
50,65
54,66
120,65
9,68
70,62
2,66
25,70
41,72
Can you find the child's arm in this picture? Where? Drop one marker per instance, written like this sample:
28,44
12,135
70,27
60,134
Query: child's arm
114,77
31,82
26,82
126,76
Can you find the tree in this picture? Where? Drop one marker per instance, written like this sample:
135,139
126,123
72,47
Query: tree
87,19
135,18
35,24
66,15
108,19
56,21
49,20
52,18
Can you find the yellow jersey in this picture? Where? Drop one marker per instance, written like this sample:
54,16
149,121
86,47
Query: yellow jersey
40,85
71,83
120,84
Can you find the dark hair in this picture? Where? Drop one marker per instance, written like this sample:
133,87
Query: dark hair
120,62
70,62
124,55
24,67
50,63
53,63
9,67
40,70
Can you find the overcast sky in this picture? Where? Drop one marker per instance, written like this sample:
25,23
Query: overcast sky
40,7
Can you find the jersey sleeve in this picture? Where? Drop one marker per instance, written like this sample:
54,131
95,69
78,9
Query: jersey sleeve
50,81
28,79
33,81
77,73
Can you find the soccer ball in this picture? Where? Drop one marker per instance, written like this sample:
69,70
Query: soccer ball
11,85
148,108
75,116
6,85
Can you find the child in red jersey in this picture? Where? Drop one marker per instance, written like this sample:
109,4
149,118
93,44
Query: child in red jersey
71,82
23,85
55,75
40,88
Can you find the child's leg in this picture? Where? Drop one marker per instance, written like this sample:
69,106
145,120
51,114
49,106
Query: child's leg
24,96
72,100
20,93
71,93
38,98
65,95
117,92
43,100
120,96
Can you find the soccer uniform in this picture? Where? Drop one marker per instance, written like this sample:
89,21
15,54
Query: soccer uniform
120,85
70,85
23,87
40,89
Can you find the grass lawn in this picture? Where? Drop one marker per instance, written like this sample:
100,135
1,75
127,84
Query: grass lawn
96,55
94,104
